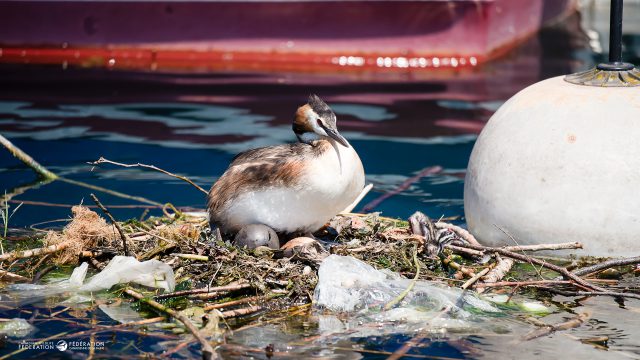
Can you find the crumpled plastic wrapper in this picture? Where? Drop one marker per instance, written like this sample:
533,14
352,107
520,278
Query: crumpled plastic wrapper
120,270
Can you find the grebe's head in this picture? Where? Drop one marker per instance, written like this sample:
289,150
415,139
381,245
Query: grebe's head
315,120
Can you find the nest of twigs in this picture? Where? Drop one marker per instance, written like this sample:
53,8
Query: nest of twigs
249,284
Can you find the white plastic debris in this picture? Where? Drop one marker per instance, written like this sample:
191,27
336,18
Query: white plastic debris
127,269
120,270
16,328
346,284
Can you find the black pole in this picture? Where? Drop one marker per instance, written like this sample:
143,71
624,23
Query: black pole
615,32
615,41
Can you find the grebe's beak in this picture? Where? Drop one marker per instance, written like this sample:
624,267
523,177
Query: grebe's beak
333,133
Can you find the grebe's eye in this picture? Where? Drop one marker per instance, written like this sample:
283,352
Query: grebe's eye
319,122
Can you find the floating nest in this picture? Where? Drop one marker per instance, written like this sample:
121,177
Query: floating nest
237,287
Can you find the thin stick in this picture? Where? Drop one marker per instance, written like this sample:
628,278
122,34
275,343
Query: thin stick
151,167
405,185
46,174
207,350
475,278
204,290
524,283
28,160
461,250
240,312
114,222
539,247
570,324
233,303
590,293
48,204
524,258
193,257
355,202
607,264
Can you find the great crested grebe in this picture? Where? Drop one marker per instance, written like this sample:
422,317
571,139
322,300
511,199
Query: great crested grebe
292,188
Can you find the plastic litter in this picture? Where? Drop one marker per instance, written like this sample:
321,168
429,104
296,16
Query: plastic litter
346,284
120,270
126,269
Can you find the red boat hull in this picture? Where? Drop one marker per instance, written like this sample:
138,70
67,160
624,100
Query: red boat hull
264,35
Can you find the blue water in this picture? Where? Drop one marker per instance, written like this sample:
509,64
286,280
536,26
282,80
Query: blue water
193,124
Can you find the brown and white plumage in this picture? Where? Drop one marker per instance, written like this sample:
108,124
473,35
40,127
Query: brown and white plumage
292,188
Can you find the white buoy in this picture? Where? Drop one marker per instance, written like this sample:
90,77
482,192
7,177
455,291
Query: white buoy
560,162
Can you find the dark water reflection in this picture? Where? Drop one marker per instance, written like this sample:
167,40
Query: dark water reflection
193,124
